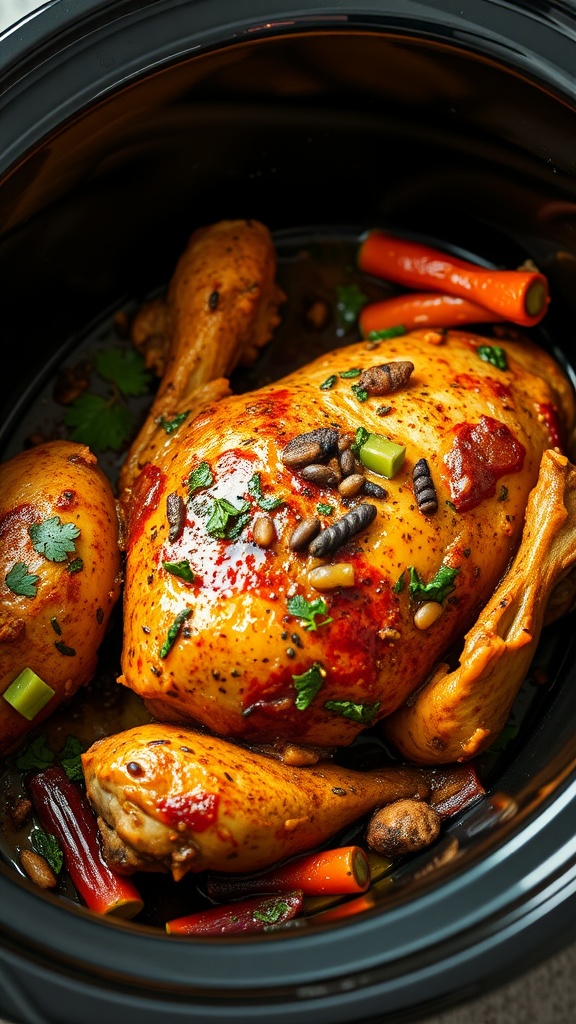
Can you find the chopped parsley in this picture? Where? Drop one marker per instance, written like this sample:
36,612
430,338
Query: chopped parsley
181,569
268,504
361,393
387,332
493,354
224,520
53,538
437,589
361,713
348,374
124,368
271,911
76,565
48,847
308,611
20,581
35,756
324,509
174,631
399,585
308,685
503,493
350,300
360,439
328,383
200,477
170,426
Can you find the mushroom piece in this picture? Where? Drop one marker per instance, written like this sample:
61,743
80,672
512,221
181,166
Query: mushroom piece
457,714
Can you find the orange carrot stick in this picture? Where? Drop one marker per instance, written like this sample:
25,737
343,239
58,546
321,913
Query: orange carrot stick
520,296
330,872
244,917
422,309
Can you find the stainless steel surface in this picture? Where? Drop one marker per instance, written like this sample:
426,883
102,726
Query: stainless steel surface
545,994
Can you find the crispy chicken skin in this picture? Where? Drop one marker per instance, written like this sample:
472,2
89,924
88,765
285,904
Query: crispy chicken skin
54,613
223,648
170,798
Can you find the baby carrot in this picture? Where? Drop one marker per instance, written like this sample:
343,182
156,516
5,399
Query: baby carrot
243,917
331,872
520,296
422,309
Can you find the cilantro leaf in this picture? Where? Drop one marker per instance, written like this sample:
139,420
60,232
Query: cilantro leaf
20,581
99,422
53,538
70,759
437,589
47,846
255,489
361,713
37,755
171,425
350,300
181,569
200,477
174,631
494,355
225,521
308,611
308,685
125,368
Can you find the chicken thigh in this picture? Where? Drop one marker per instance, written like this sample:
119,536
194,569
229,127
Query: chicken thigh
286,579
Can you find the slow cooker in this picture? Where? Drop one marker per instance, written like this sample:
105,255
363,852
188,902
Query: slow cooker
125,123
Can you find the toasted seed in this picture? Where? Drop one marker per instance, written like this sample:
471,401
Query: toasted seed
176,515
347,462
20,812
351,485
306,448
424,488
427,613
303,534
38,869
403,826
334,464
342,530
263,532
381,380
345,441
328,577
318,473
372,490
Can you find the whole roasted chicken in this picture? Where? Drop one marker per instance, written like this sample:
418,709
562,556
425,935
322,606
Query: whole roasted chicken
300,560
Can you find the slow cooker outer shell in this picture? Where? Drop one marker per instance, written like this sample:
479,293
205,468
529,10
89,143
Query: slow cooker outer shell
85,63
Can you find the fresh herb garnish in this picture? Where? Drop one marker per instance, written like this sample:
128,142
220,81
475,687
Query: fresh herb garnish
200,477
255,489
70,759
48,847
271,913
493,354
383,410
348,374
104,421
360,439
308,685
503,493
174,631
328,383
308,611
387,332
76,565
181,569
170,426
53,538
224,520
20,581
399,585
69,652
437,589
324,509
361,713
350,300
361,393
37,755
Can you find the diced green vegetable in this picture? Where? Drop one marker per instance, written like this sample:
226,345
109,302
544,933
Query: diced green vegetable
381,455
28,694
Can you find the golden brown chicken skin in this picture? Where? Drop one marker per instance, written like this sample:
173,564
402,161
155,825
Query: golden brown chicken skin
209,634
59,574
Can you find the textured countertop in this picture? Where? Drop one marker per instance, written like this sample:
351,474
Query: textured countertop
546,994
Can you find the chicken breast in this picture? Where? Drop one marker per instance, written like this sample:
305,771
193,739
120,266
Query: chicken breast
233,621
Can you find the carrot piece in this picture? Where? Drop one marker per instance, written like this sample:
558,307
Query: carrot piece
66,814
422,309
520,296
246,916
330,872
453,788
348,909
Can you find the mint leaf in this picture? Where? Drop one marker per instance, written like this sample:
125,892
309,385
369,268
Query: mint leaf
308,685
47,846
255,489
200,477
308,611
361,713
437,589
125,368
53,538
20,581
98,422
37,755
